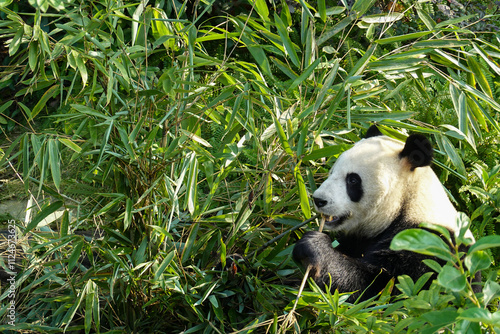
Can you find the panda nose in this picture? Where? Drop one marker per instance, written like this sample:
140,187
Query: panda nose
319,202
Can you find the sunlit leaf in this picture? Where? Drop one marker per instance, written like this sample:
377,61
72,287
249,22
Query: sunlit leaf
423,242
42,215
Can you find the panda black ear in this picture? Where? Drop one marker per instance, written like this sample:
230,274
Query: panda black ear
418,151
373,131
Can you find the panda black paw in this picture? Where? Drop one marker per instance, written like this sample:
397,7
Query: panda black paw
312,250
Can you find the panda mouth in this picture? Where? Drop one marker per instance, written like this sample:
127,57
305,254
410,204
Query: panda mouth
332,222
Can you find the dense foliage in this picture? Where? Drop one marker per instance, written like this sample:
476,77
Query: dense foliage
174,140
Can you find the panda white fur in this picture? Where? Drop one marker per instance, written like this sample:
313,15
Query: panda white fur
376,189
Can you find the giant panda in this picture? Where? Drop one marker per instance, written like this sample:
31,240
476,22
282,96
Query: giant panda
375,190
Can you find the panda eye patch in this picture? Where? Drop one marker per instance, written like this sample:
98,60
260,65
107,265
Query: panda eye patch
354,187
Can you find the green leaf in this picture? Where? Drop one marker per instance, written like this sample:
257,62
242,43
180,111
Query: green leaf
335,29
127,220
75,255
304,197
325,152
50,93
362,62
487,242
476,314
81,67
487,58
287,42
55,162
16,41
327,84
362,6
258,54
451,278
261,7
282,137
268,193
186,251
307,72
401,38
33,56
423,242
64,230
454,21
452,154
192,186
42,215
440,318
491,291
322,10
442,44
164,264
424,16
223,259
284,68
382,18
125,142
70,144
477,261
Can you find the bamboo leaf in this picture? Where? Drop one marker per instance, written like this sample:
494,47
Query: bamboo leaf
70,144
50,93
42,215
479,76
382,18
64,230
282,137
307,72
80,64
363,61
452,154
362,6
326,85
164,264
261,8
55,162
287,42
186,251
33,56
192,186
325,152
127,220
196,138
322,10
335,29
454,21
402,38
487,58
304,198
428,21
268,193
442,44
284,68
75,255
16,41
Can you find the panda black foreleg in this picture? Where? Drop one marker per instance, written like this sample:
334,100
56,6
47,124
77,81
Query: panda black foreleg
347,274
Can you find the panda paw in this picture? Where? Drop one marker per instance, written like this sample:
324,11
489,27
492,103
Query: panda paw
312,250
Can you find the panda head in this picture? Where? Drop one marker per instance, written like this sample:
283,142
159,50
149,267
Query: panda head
380,179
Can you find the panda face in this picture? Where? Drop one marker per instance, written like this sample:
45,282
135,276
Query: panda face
359,185
378,180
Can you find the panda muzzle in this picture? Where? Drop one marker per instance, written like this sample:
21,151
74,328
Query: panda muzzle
335,221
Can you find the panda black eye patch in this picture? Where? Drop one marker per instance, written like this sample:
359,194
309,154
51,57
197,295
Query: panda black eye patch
354,187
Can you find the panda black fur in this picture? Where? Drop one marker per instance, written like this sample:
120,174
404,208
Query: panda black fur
375,190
